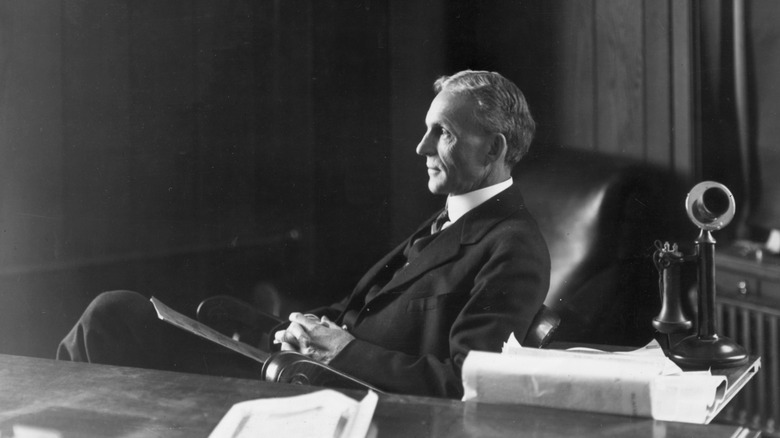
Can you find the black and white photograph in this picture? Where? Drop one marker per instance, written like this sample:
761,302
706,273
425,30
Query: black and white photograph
379,218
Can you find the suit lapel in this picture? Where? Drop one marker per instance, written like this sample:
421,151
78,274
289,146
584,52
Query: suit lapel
370,277
443,248
468,230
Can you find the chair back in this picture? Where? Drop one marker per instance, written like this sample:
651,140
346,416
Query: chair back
600,216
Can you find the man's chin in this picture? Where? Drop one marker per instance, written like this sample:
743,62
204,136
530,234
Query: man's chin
436,188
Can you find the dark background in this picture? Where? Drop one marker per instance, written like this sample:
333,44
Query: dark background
186,148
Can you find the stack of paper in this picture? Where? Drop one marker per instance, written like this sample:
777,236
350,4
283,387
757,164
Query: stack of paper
639,383
324,413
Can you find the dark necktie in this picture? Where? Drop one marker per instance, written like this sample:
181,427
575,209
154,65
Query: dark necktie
423,239
439,222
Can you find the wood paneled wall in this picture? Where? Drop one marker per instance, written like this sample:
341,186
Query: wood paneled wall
610,76
140,127
31,134
173,147
134,126
764,64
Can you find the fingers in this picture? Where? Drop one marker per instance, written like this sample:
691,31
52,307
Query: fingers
308,321
297,334
281,337
318,338
295,337
328,323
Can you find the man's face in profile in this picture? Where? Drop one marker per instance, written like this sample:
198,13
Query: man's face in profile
455,146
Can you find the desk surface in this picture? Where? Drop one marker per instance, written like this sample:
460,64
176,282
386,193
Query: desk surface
87,400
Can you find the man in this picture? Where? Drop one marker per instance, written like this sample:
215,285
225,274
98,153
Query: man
464,281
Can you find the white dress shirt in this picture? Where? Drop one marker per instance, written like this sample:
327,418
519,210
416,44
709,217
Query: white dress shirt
458,205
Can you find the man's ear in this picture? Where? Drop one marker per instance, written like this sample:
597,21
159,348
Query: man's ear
498,149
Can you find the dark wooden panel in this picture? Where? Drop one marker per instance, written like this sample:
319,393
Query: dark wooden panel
99,175
30,132
765,37
575,98
352,147
765,59
682,87
282,127
181,120
657,92
417,53
151,142
619,77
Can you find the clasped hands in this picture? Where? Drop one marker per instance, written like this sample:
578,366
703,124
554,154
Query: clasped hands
317,338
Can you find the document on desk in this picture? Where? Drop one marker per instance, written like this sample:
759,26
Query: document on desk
325,413
643,383
183,322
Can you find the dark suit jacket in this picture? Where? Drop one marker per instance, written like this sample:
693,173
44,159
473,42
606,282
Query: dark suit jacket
480,279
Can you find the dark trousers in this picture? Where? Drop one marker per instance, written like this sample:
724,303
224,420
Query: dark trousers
121,328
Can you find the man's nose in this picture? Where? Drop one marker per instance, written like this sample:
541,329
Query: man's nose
426,146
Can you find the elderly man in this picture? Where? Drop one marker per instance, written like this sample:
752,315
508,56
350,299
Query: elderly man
467,278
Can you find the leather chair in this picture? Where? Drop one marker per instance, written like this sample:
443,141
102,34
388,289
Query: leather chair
601,216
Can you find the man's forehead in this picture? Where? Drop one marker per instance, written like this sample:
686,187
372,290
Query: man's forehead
451,107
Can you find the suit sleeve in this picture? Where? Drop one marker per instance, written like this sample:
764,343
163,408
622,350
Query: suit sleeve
508,287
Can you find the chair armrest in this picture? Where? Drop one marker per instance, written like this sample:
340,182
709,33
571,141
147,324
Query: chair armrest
542,328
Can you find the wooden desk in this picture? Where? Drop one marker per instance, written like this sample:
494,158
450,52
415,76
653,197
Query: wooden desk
86,400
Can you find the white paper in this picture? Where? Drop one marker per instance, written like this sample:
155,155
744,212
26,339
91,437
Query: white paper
578,381
643,382
326,413
689,398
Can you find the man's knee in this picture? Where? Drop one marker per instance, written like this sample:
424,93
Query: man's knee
117,304
117,328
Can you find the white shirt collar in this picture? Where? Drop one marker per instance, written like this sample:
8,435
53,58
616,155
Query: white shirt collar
458,205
